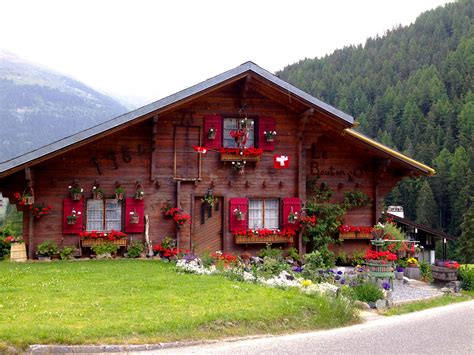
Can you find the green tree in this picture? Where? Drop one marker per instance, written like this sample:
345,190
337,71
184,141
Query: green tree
426,208
465,249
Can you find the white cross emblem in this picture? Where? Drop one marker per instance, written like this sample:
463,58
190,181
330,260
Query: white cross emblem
282,159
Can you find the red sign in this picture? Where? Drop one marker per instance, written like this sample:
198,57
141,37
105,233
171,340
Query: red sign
281,161
199,149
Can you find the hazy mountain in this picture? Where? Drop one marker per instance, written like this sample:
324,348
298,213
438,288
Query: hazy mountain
39,106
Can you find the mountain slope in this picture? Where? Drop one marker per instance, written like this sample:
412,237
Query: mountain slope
412,89
38,106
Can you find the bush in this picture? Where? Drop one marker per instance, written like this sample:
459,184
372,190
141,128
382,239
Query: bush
367,292
271,253
425,271
48,248
105,249
466,275
357,257
66,252
135,249
293,253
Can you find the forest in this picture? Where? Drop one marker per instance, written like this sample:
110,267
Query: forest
412,89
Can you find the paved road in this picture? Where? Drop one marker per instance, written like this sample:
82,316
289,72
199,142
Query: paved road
442,330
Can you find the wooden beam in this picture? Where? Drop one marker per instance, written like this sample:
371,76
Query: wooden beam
380,168
244,90
30,182
304,118
178,199
153,148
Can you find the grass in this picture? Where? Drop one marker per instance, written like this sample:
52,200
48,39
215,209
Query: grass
421,305
144,301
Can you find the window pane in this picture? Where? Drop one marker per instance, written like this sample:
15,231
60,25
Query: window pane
113,215
271,213
255,214
230,124
95,214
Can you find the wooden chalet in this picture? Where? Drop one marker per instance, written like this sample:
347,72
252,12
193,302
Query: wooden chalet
157,145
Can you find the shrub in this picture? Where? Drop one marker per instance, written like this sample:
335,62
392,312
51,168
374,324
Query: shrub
293,253
270,252
66,252
357,257
272,267
341,258
367,292
105,249
466,275
314,260
425,271
48,248
135,249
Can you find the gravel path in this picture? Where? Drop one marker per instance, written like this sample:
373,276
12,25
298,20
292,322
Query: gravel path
414,290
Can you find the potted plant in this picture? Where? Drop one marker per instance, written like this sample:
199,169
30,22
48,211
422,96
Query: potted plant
239,215
97,193
134,217
211,133
209,198
25,199
66,253
181,219
399,272
46,250
75,191
139,192
39,211
119,191
71,219
269,136
412,262
135,249
292,217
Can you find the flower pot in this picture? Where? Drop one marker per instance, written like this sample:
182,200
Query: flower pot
399,275
211,135
379,266
71,221
29,200
240,217
270,139
134,219
119,196
444,274
139,197
76,196
98,196
412,265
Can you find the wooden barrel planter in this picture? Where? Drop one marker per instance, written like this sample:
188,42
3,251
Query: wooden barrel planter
444,273
18,252
376,266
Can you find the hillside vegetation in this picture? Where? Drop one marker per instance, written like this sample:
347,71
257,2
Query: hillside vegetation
411,89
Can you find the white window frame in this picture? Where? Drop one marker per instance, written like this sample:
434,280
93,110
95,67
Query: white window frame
231,124
110,216
264,213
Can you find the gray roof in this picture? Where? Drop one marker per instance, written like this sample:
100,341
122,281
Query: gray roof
29,158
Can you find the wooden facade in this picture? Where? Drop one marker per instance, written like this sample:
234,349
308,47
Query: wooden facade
156,148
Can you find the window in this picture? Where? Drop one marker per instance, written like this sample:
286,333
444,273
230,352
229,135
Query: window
104,215
232,124
263,213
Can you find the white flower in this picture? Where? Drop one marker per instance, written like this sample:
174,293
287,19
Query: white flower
69,187
79,213
82,189
93,188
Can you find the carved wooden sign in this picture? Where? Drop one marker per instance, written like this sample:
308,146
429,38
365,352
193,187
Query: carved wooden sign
331,171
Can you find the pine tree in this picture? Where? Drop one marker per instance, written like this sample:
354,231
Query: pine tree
426,208
465,250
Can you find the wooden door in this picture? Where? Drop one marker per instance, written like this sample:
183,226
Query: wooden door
207,233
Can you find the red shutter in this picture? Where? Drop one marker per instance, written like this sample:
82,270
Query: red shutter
290,204
242,205
138,206
265,124
68,206
214,122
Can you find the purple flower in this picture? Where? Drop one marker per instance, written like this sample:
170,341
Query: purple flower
386,285
400,269
343,281
297,269
339,272
331,271
337,277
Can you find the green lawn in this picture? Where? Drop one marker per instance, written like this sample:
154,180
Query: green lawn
421,305
144,301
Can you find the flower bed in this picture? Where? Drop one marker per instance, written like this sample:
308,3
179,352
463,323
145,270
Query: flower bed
252,236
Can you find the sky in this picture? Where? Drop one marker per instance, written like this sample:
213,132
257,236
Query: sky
144,50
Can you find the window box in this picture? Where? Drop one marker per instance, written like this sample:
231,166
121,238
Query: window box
272,238
99,241
246,154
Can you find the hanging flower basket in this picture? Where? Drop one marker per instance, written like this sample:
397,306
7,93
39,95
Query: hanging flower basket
134,218
71,220
211,134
